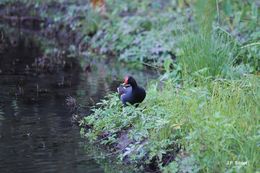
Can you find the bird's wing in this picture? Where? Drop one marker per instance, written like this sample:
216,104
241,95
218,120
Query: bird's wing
124,90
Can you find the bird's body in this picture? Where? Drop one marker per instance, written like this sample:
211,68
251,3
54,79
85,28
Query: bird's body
130,92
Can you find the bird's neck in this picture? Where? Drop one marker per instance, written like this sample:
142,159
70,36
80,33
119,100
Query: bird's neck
134,86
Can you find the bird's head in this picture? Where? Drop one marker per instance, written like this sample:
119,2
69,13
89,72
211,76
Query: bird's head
129,80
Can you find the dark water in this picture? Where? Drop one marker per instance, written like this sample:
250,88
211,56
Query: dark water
36,133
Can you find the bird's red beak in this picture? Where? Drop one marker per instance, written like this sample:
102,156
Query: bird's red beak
125,81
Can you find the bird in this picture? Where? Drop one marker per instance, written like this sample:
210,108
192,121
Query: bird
130,92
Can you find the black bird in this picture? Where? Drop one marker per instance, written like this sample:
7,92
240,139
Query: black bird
130,92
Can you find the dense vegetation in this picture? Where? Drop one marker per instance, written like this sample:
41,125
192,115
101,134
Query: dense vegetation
202,114
216,122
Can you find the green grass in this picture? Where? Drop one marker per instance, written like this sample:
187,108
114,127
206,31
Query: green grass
217,123
213,53
220,122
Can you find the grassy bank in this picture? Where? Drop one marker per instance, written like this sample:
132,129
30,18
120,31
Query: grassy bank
209,127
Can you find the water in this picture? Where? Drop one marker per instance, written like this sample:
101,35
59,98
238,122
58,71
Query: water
36,133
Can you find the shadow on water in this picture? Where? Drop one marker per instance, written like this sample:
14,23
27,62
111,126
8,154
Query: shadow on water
36,133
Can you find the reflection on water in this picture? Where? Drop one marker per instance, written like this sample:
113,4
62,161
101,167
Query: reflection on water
36,133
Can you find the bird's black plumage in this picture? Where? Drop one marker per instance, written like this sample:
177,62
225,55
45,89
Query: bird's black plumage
130,92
